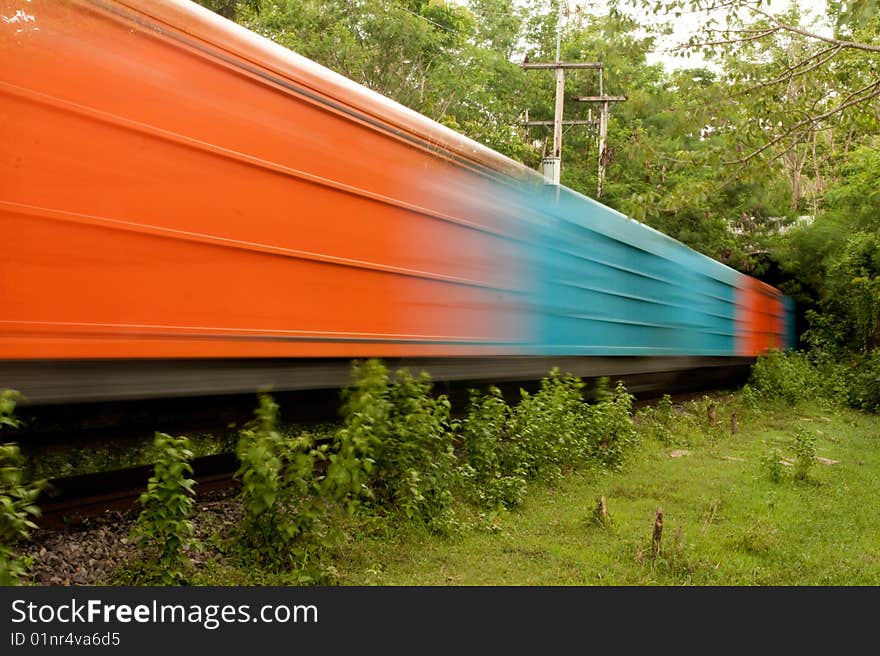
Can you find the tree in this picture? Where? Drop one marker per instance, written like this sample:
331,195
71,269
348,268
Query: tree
834,264
848,58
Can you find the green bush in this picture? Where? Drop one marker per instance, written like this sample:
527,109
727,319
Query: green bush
609,428
366,417
399,453
17,505
8,400
282,495
804,445
773,464
548,427
852,298
395,450
493,469
791,377
852,379
18,498
265,529
657,420
863,383
751,398
417,462
545,435
164,528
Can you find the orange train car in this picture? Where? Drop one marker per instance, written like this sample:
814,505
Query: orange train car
190,208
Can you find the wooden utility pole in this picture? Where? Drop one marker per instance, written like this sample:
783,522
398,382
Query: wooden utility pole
556,166
603,142
553,165
603,128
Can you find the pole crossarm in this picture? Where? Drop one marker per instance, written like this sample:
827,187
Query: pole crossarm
598,98
553,165
553,65
569,122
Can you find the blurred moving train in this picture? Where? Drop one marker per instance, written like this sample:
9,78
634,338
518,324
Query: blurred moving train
187,208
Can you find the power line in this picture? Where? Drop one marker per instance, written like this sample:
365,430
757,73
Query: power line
426,19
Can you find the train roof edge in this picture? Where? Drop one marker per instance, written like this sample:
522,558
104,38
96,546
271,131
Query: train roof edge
203,24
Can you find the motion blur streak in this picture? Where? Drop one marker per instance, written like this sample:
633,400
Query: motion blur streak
174,186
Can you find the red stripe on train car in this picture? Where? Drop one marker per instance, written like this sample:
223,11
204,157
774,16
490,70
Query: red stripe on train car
760,317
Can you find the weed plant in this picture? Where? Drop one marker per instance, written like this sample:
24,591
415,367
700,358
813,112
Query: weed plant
395,450
804,445
164,528
773,464
863,383
790,377
281,493
8,401
416,467
501,450
492,471
656,421
546,435
17,506
18,498
610,431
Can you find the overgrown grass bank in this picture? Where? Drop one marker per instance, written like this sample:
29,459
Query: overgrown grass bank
725,521
772,485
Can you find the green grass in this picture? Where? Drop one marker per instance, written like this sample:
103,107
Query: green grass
725,521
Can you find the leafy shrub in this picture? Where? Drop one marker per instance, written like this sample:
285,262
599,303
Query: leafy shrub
18,498
548,427
751,398
366,414
260,472
417,462
787,376
853,380
164,528
657,420
303,511
773,464
609,428
546,434
853,292
8,400
493,470
281,495
863,383
804,445
17,505
395,454
395,450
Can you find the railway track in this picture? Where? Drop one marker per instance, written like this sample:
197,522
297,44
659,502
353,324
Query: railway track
76,500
